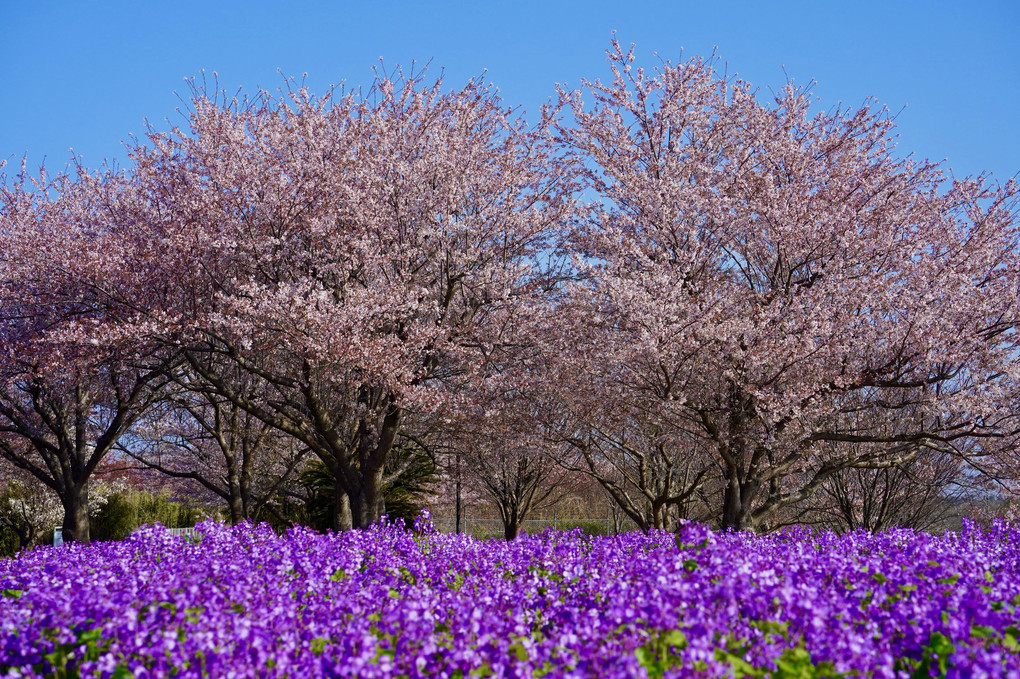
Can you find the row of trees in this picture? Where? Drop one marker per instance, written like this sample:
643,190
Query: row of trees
711,305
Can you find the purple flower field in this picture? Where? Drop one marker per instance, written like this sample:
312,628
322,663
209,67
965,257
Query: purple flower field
391,603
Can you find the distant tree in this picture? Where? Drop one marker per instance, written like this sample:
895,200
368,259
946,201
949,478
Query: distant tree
759,272
196,435
29,510
512,467
922,493
498,431
650,465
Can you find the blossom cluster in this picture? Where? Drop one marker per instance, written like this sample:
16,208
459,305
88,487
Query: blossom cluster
389,602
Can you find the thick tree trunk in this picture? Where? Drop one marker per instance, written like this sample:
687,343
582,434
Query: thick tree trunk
76,514
457,510
367,502
660,515
247,508
512,517
236,506
245,482
373,504
741,482
737,504
235,501
358,473
342,510
26,538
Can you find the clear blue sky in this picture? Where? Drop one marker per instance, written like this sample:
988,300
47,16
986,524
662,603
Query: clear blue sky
87,74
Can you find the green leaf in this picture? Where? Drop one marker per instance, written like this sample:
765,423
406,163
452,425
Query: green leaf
657,655
741,668
768,627
545,669
518,651
90,636
645,656
674,637
1011,638
982,631
936,653
795,663
408,576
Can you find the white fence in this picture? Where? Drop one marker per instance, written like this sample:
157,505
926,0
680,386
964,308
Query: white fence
186,532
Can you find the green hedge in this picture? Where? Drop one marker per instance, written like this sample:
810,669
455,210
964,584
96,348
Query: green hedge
8,541
126,511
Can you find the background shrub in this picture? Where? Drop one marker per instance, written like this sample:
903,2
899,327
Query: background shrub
126,511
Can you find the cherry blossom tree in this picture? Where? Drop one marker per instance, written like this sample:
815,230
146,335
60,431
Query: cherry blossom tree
349,253
60,429
68,390
762,273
